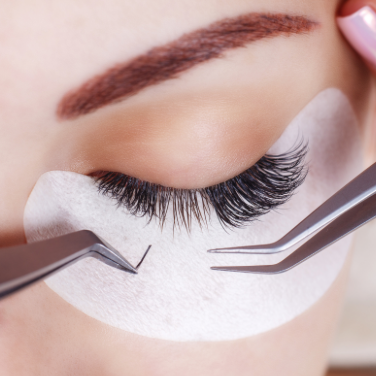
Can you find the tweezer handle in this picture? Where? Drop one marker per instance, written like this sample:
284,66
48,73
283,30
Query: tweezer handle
348,222
358,190
345,224
28,263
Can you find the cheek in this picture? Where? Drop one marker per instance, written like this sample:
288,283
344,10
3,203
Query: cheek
176,296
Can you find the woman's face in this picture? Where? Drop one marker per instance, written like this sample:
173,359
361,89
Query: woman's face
195,122
216,119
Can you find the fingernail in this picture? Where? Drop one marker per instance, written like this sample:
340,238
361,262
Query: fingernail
360,30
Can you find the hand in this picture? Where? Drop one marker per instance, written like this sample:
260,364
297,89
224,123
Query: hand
357,21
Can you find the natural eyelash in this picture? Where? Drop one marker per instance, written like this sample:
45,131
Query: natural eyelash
267,184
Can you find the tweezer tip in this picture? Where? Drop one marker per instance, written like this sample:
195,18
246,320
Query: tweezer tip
240,249
223,269
220,250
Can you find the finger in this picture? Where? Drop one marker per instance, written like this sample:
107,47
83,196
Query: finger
357,21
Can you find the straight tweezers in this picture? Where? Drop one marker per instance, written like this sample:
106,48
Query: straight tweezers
351,207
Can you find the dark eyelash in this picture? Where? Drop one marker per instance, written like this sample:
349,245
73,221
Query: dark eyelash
267,184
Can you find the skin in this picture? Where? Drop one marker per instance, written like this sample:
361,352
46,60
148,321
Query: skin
75,344
213,130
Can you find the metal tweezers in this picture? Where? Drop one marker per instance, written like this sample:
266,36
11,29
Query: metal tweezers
22,265
350,208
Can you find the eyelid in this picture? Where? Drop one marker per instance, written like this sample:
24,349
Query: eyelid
267,184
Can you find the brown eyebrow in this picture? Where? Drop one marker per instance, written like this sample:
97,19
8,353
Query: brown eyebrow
168,61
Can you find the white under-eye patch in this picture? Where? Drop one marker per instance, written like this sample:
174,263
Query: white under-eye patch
176,296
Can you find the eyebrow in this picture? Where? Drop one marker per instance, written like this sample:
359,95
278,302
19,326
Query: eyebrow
170,60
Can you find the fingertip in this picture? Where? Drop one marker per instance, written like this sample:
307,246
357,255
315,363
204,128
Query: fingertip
359,28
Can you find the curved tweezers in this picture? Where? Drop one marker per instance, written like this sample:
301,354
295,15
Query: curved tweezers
359,189
23,265
337,229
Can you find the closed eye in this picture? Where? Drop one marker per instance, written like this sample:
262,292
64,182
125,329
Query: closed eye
266,185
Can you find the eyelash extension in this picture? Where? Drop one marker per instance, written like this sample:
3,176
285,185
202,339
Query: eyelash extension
269,183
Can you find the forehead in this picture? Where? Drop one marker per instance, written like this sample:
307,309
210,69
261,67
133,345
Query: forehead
43,27
49,48
80,39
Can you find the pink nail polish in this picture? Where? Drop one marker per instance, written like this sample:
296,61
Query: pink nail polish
360,30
